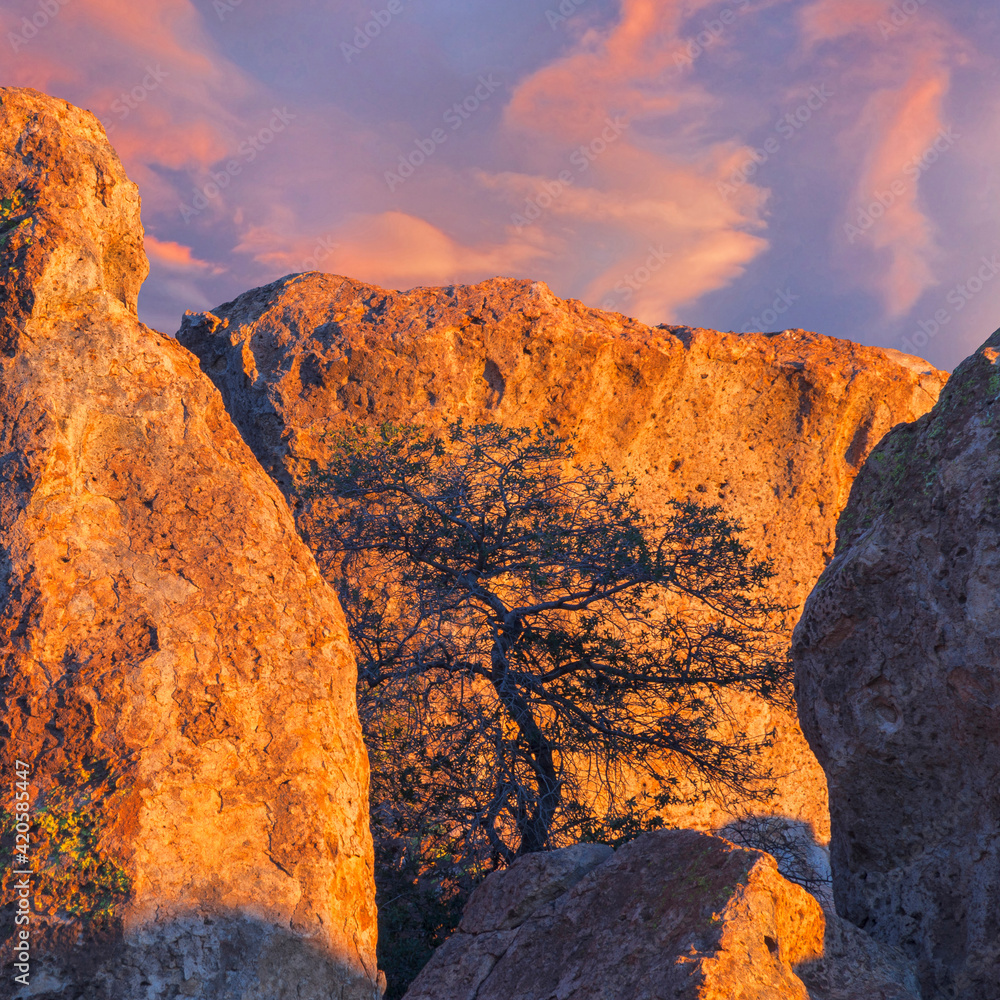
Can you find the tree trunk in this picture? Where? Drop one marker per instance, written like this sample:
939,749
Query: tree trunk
533,830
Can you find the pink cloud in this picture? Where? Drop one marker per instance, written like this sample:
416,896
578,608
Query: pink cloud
174,256
635,67
903,125
828,20
150,72
897,66
626,191
392,249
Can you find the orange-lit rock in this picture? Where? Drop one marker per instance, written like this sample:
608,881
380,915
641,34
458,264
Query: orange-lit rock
173,668
673,914
898,660
773,427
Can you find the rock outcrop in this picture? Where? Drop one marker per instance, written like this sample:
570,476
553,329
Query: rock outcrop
772,426
175,675
673,914
898,663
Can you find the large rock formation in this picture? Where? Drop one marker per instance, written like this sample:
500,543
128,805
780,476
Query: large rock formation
898,661
174,672
772,426
673,914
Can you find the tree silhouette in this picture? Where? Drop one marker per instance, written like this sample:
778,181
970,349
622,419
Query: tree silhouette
529,641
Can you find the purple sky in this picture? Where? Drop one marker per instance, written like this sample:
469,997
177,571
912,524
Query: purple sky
751,164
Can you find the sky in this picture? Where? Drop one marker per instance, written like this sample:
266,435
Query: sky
832,165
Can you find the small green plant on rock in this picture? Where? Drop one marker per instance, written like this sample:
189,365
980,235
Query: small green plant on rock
73,875
15,217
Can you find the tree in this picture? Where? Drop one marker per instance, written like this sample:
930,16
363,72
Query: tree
528,640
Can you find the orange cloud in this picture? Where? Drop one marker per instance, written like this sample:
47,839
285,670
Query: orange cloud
392,249
635,67
904,124
174,256
625,192
151,74
901,82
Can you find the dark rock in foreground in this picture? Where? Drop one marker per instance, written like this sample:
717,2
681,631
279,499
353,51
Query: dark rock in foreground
674,914
898,663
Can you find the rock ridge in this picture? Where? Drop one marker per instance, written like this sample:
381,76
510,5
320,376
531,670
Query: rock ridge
772,426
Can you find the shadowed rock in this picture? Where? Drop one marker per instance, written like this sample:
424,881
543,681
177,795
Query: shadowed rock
173,670
898,664
673,914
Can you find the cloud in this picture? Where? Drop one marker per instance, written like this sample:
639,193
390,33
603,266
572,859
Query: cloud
392,249
167,98
829,20
613,116
902,126
897,68
636,68
174,257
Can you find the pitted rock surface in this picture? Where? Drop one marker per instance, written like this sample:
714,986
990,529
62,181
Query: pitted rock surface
772,426
898,664
173,668
675,914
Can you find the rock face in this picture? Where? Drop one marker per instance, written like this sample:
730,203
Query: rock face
774,427
898,662
174,672
673,914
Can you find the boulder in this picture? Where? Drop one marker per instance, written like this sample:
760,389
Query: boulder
772,426
176,683
898,665
674,914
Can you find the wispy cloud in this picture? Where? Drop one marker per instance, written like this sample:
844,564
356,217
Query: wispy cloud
602,160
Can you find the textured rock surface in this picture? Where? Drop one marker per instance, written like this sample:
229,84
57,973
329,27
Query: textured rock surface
772,426
673,914
173,668
898,660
